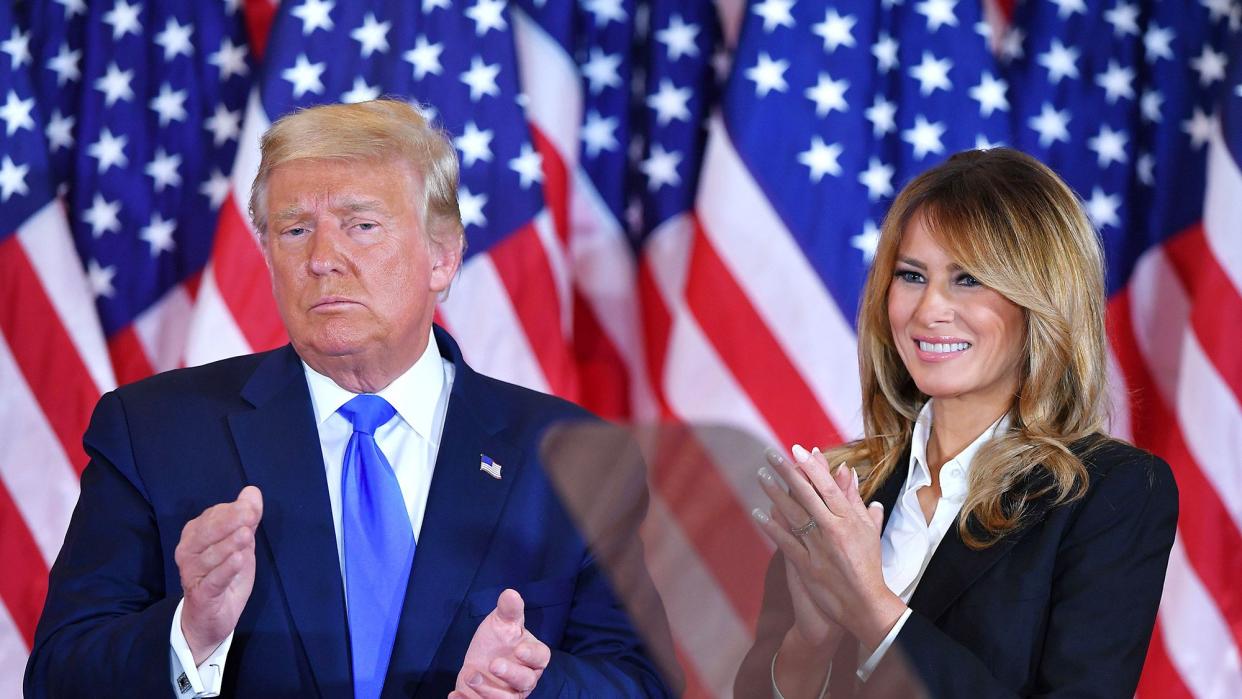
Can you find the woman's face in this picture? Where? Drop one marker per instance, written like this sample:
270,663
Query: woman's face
959,339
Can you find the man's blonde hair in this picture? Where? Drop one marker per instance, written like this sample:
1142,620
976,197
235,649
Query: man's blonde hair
382,130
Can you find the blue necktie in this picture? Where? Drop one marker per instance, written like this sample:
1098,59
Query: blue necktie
378,543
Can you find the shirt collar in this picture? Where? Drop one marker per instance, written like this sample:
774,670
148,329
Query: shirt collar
919,471
414,394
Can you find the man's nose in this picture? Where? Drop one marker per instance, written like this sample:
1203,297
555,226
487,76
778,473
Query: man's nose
327,254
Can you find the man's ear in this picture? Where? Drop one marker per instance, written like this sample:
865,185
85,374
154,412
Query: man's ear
446,250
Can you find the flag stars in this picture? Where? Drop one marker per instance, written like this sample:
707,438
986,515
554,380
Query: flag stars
1124,18
1117,82
169,104
775,13
18,48
59,131
867,241
1067,8
924,137
100,279
835,30
16,113
885,52
1158,43
475,144
360,92
878,179
1011,45
109,150
72,7
1210,65
990,94
123,17
679,38
175,39
425,58
372,36
938,13
768,75
1150,104
163,169
670,103
315,14
1102,208
65,65
528,165
115,84
883,116
821,158
660,167
932,74
605,11
304,76
1219,9
159,234
487,15
1199,127
1051,125
12,179
599,134
230,59
103,216
215,188
481,78
828,94
1145,166
224,125
429,5
471,207
601,72
1060,60
1109,146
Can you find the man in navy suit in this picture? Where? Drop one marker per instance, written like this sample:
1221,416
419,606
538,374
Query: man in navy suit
240,523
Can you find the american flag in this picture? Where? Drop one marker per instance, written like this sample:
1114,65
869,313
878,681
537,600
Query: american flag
670,207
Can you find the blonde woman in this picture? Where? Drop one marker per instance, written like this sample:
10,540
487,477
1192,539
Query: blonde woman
985,537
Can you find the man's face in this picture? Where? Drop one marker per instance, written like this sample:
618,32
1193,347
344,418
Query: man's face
354,273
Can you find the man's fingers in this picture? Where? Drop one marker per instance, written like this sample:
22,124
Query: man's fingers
218,579
195,565
509,607
517,676
533,653
220,521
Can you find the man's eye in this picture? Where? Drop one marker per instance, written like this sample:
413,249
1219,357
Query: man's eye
296,231
366,226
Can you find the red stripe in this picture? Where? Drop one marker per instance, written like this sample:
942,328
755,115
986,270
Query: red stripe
695,689
753,355
719,527
1212,542
259,15
23,586
1215,306
604,379
1006,8
129,358
44,352
1160,679
524,270
243,280
555,183
657,331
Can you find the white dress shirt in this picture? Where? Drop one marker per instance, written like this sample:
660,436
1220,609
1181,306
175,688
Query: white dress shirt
909,540
410,443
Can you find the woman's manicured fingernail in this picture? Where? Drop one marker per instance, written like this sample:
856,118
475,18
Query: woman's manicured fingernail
800,454
760,516
816,452
855,478
773,456
765,474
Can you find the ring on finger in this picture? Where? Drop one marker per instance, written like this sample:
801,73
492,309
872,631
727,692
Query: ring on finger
804,529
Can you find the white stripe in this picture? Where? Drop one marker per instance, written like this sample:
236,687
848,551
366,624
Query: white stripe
213,332
49,246
550,81
33,464
246,165
559,267
1222,210
163,328
1208,414
697,384
13,654
777,277
1196,637
704,625
1119,424
482,319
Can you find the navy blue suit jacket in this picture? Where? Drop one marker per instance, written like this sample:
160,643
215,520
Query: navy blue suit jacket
1063,607
164,449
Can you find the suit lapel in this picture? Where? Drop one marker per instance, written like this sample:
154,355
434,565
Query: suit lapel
279,448
463,508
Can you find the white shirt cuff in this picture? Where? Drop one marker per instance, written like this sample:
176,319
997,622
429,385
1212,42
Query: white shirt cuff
865,670
189,680
776,692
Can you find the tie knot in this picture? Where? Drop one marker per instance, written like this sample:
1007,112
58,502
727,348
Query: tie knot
367,412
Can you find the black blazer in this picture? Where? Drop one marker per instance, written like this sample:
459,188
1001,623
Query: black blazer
1064,606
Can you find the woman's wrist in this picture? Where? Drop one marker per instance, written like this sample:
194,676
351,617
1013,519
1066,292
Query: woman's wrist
876,620
801,667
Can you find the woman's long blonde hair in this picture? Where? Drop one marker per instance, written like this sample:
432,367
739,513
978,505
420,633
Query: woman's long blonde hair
1011,223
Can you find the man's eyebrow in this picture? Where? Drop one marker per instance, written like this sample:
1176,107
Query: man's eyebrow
357,205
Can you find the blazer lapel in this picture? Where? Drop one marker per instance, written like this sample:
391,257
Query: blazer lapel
279,448
463,508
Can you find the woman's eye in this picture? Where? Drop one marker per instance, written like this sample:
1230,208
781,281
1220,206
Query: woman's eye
907,275
967,280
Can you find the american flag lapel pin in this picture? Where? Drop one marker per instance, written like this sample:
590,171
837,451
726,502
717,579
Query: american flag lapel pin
491,468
